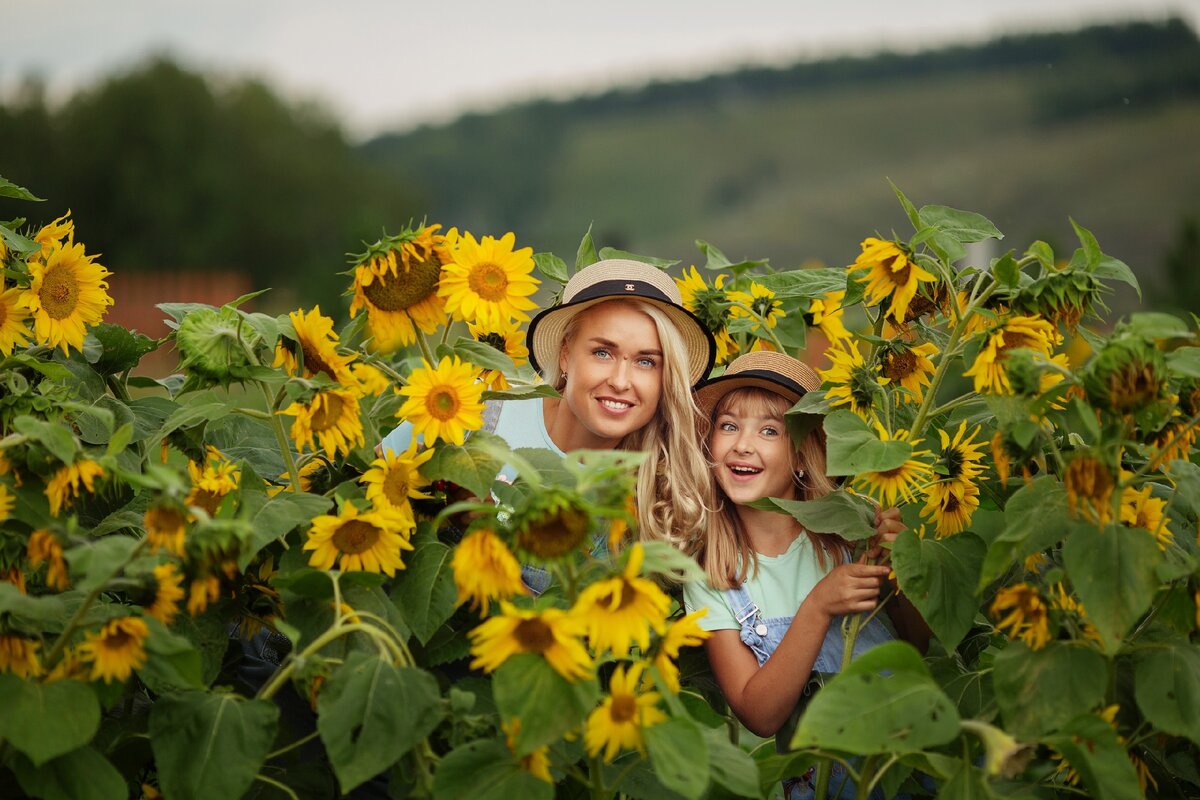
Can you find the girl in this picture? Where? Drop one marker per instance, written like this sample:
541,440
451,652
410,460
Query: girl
624,354
778,592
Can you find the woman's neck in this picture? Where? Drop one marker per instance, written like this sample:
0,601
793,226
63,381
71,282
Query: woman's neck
769,532
566,431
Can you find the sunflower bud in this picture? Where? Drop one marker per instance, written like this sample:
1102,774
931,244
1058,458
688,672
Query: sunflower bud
215,345
551,525
1127,376
1024,372
1063,297
1003,755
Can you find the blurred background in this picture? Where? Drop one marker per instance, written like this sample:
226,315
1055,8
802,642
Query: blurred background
211,148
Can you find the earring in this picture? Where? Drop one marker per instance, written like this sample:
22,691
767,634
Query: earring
564,376
799,475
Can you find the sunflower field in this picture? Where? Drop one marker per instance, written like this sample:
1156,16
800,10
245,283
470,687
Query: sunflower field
214,585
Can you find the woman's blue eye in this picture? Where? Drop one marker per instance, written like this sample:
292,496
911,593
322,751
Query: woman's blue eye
647,362
600,352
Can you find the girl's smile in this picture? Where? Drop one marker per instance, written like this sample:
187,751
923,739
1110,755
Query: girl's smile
753,453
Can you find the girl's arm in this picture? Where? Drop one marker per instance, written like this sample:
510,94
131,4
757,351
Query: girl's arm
763,697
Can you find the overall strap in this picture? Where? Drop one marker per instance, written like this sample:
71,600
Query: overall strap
744,609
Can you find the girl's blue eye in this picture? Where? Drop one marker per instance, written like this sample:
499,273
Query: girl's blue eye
728,427
769,431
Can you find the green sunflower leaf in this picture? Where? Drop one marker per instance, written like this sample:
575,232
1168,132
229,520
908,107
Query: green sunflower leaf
1038,691
47,720
82,774
849,516
1113,572
210,745
1091,747
962,226
1167,687
939,577
371,713
679,754
525,686
853,447
486,770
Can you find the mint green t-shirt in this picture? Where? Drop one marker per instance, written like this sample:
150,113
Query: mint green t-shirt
782,583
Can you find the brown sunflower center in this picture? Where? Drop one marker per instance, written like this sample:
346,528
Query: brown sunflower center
488,280
118,640
3,313
390,292
900,364
355,536
313,362
624,708
59,293
492,339
1014,340
555,535
164,520
534,635
204,498
951,504
954,460
442,403
327,413
395,486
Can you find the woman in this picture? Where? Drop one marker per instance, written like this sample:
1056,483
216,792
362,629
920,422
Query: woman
624,355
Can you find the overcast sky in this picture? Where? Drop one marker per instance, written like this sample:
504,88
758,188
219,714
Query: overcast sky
382,65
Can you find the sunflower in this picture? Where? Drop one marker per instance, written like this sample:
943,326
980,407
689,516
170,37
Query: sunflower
15,576
620,611
619,721
211,481
117,649
316,346
18,655
396,281
710,304
908,367
1032,333
443,402
44,547
903,481
488,282
330,422
14,332
7,501
394,480
550,525
760,303
67,293
165,527
849,381
163,603
508,339
551,634
64,485
827,312
485,570
56,233
1027,617
202,591
891,271
951,504
367,380
1089,488
960,458
1140,509
683,632
536,763
368,542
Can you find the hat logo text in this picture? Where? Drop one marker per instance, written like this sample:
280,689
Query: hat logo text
629,287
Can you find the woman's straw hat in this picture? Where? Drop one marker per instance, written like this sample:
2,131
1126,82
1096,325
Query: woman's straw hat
761,369
620,278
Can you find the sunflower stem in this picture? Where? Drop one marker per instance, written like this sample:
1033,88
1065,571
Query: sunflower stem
60,644
917,430
287,748
762,326
596,770
868,770
335,632
426,353
283,787
285,448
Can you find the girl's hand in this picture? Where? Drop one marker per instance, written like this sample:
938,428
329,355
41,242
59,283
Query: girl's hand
849,589
887,527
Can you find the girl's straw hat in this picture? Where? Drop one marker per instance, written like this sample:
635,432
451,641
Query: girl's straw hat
620,278
761,369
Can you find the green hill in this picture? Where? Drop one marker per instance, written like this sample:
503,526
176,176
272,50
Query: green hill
792,164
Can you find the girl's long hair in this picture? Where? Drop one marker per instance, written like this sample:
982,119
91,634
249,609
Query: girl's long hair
726,555
674,484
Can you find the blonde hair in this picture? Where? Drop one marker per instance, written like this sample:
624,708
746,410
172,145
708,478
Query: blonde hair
675,463
726,555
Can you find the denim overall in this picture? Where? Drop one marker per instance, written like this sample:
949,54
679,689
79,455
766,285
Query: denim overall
763,634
